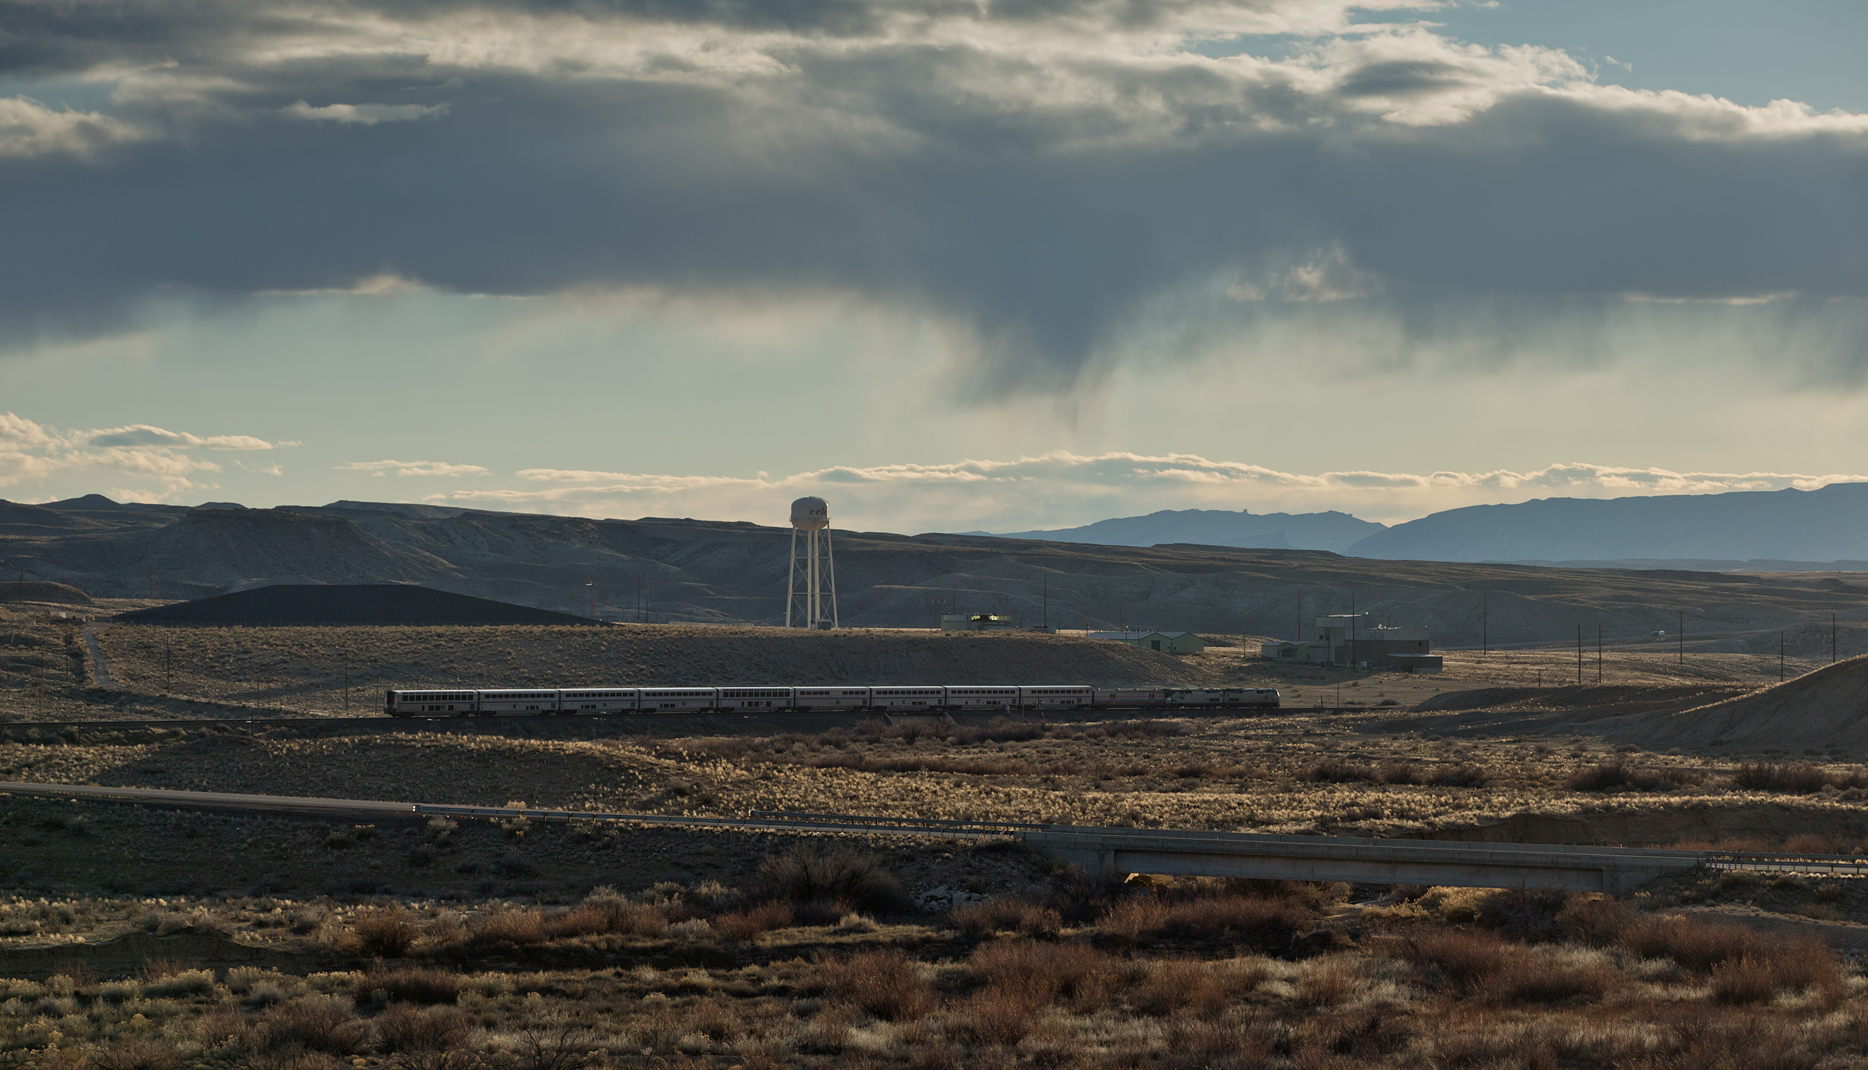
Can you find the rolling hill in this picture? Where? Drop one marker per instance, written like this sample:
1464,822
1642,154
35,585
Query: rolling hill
719,572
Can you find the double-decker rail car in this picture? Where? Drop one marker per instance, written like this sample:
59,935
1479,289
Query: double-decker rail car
518,703
597,700
908,699
1056,698
765,699
983,698
432,703
676,699
830,698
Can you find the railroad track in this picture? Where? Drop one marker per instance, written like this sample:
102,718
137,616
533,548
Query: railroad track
1107,850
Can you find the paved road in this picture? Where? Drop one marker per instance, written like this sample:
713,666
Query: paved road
215,800
1112,850
99,667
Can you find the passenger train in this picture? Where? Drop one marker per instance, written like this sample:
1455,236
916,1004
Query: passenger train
532,701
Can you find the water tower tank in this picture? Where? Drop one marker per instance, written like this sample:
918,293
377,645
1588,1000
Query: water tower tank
810,514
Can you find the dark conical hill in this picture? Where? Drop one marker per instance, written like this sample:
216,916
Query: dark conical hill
346,603
42,591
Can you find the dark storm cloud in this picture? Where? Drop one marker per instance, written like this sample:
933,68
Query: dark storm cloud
1402,78
1040,183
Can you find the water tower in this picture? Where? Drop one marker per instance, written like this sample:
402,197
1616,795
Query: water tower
812,569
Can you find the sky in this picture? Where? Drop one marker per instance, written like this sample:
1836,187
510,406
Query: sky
952,265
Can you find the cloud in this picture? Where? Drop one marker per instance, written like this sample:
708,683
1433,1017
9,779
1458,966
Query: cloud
381,285
362,114
146,435
1032,176
29,129
413,468
30,452
1064,489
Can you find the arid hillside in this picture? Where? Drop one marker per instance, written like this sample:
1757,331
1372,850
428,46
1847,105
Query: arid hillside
1826,709
305,668
660,571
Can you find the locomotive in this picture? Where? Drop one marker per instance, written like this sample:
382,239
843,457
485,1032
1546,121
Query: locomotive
541,701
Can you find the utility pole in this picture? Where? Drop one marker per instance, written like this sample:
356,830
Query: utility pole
1047,602
1598,655
152,583
1579,655
593,596
1832,637
1682,637
1780,657
1485,624
168,667
1352,629
1122,617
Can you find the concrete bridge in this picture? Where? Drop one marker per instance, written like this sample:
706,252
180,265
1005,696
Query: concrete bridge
1362,861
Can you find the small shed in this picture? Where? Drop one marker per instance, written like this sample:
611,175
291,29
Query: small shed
1425,664
1165,642
1173,642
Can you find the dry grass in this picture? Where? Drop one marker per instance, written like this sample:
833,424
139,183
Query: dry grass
751,922
385,933
1486,967
1038,974
419,985
1258,923
411,1031
324,1024
1697,946
504,929
883,984
1801,778
1007,914
1337,771
1619,774
828,882
1598,985
1180,986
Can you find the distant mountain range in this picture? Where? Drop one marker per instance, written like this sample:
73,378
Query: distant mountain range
1218,527
1764,531
1828,525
